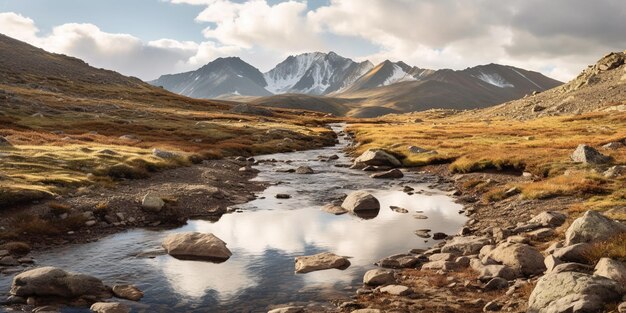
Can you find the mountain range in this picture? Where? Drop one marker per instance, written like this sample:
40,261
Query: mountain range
356,89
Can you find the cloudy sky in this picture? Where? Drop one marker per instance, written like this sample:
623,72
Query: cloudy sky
147,38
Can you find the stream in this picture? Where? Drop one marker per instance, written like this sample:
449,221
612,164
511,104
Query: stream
264,236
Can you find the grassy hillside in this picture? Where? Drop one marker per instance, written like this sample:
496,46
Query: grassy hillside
69,125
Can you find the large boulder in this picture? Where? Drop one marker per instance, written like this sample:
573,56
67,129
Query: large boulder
522,258
549,219
194,245
589,155
359,201
591,227
378,277
573,292
321,261
55,282
465,245
376,157
611,269
394,173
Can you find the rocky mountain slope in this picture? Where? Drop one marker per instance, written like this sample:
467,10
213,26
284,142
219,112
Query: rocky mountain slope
367,90
315,73
224,76
600,87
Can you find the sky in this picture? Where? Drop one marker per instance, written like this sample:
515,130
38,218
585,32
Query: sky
149,38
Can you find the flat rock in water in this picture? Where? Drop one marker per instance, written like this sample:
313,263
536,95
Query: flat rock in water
288,309
398,209
334,209
129,292
109,307
422,233
55,282
194,245
420,216
377,157
360,201
304,170
321,261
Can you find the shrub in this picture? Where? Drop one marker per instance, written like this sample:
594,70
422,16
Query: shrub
16,247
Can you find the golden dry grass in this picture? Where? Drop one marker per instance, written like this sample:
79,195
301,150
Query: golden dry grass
62,150
542,147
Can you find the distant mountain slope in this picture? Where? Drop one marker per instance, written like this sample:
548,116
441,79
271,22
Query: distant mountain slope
600,87
476,87
314,73
220,77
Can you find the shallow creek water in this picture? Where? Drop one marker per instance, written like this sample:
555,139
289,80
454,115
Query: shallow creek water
264,238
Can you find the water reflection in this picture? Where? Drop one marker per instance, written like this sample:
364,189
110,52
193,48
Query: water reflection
264,240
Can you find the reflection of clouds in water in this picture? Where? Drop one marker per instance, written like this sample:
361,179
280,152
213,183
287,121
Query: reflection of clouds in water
290,232
194,279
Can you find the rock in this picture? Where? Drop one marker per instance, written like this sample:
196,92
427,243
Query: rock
420,216
396,290
282,196
496,283
416,150
613,145
334,209
289,309
422,233
518,239
502,271
551,262
360,201
398,209
394,173
378,277
194,245
440,265
90,223
321,261
129,137
610,61
522,258
573,253
441,257
572,267
465,245
541,234
611,269
8,261
55,282
129,292
164,154
622,307
152,202
248,169
439,236
304,170
377,157
367,311
591,227
399,261
589,155
492,306
615,171
249,109
109,307
549,219
572,292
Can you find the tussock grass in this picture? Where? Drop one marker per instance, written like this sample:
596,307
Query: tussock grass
565,185
614,248
542,146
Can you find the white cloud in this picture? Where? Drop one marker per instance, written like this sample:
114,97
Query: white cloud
17,26
282,27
